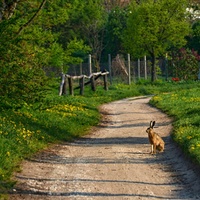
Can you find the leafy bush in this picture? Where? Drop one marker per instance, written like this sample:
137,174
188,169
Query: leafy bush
186,64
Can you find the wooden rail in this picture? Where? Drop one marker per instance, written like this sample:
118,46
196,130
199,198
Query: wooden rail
92,80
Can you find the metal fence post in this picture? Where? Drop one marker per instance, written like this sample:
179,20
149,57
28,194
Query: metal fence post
138,68
109,68
129,69
145,67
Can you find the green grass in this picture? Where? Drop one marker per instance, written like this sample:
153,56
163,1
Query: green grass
26,131
184,106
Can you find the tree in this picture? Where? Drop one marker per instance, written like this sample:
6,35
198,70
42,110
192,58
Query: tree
194,37
87,22
114,27
194,16
153,27
27,43
93,28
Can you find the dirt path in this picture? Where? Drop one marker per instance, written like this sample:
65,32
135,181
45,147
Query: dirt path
112,163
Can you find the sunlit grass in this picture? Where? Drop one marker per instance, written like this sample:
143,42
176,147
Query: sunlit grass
27,130
184,106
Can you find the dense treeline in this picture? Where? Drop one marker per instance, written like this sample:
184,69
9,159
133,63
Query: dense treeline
42,33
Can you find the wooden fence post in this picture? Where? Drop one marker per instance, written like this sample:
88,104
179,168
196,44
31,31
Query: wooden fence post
105,80
82,85
71,91
93,77
64,91
90,64
93,86
61,84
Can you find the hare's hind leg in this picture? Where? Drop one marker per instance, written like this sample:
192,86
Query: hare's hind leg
162,146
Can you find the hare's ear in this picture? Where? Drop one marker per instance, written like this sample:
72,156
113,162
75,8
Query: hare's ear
150,124
153,124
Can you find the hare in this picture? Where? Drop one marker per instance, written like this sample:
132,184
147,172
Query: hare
155,140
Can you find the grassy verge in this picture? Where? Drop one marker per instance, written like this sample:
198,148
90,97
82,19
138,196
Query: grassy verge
25,131
184,106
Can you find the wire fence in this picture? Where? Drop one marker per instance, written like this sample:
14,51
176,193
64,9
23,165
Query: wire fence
122,71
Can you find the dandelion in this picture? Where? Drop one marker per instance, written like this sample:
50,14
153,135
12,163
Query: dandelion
189,137
157,98
8,153
192,148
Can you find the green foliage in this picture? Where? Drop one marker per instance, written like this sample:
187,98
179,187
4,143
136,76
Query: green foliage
194,38
21,80
74,54
155,26
76,51
88,23
28,45
186,64
115,25
57,55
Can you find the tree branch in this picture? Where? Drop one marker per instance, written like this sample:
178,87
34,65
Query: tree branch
32,18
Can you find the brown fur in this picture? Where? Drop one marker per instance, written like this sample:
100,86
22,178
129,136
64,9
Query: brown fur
155,140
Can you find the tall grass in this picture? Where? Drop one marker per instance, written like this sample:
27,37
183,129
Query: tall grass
27,130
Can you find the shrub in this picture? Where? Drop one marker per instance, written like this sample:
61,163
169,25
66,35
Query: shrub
186,65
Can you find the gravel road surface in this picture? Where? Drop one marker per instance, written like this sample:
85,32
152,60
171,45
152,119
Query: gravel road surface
112,162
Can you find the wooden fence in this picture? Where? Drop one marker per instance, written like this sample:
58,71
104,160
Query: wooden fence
92,80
